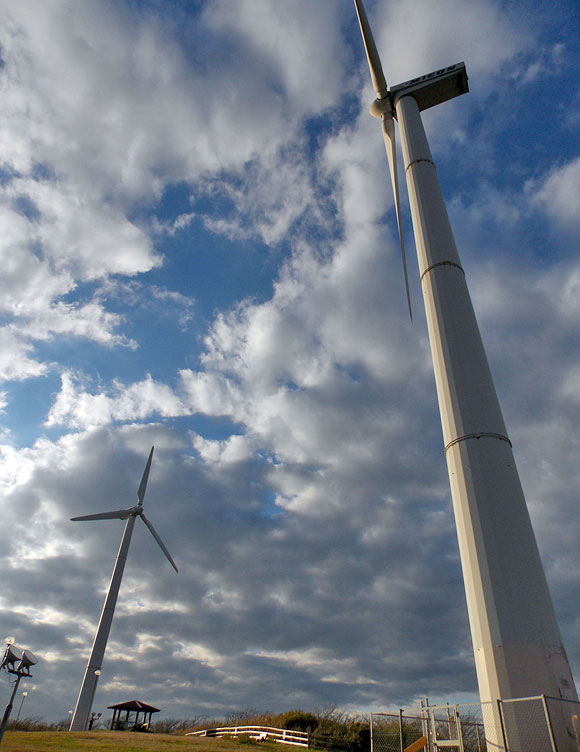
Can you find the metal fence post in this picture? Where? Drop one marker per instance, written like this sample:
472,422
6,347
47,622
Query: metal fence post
401,729
500,711
371,729
549,722
458,729
425,722
478,737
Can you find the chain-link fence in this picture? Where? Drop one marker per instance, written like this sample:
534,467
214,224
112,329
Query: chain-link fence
472,727
526,726
529,724
564,718
396,732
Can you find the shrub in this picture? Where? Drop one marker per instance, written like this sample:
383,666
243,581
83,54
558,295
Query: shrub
37,723
297,720
246,739
180,725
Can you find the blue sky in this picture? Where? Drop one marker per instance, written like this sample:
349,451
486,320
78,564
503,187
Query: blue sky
199,252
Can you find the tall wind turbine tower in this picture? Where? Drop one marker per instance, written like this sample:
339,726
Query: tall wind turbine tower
516,639
84,704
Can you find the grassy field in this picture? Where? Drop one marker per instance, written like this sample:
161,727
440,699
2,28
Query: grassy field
121,741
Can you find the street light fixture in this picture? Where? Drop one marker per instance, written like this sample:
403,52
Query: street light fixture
18,663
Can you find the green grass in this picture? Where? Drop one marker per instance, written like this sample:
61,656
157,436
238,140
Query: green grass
120,741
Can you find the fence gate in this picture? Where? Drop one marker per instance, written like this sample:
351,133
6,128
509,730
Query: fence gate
445,728
432,728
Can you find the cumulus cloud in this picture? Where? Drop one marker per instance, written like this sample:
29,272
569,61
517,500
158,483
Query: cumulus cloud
429,37
306,60
98,124
224,578
79,232
234,449
78,408
557,195
15,363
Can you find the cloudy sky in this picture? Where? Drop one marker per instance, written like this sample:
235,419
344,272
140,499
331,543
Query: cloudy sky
198,252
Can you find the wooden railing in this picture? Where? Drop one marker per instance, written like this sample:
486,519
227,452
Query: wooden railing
284,736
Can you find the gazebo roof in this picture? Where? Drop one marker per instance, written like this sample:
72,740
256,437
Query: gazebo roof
134,705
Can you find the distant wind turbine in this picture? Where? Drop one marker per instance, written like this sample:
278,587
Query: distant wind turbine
517,643
84,704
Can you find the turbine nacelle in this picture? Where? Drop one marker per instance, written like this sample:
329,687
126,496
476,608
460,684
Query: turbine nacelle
428,90
433,88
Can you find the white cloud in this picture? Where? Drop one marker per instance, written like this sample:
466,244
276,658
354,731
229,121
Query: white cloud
16,466
274,193
305,59
234,449
79,233
104,107
557,195
295,371
28,282
15,363
90,321
191,651
131,112
211,394
80,409
485,35
357,157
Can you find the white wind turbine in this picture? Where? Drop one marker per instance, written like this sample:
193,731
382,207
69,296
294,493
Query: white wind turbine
84,704
517,643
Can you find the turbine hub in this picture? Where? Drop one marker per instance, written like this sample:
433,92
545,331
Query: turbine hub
382,107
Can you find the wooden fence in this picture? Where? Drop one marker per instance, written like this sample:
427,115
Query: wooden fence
284,736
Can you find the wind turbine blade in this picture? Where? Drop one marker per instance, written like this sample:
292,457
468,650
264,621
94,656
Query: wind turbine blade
118,514
145,478
159,541
374,61
388,128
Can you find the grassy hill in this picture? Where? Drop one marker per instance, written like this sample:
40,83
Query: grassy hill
121,741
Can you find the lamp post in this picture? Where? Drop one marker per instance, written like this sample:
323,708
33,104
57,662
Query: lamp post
24,696
18,663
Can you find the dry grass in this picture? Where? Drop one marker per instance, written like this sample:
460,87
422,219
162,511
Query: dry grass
120,741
